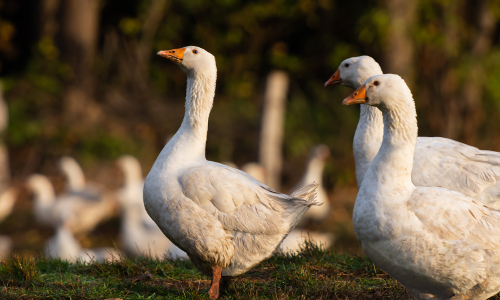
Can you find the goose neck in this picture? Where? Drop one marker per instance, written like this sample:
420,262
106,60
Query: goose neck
314,170
132,175
395,157
189,142
44,195
367,139
75,178
200,92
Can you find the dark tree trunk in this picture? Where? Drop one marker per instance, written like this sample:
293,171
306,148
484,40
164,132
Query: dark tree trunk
78,34
399,55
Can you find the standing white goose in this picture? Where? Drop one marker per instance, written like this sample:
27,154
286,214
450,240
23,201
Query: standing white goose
139,234
439,162
440,244
225,220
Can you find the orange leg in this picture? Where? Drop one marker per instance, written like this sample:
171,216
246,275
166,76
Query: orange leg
216,276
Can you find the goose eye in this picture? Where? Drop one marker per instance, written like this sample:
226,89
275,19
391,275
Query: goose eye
195,51
376,83
346,65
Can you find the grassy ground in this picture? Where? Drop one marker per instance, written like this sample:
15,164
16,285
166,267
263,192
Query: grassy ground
312,274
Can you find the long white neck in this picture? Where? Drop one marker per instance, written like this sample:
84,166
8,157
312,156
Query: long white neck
44,192
74,175
189,142
132,173
367,139
393,164
314,171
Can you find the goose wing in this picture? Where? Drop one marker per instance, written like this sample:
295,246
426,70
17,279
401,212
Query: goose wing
455,166
454,216
240,202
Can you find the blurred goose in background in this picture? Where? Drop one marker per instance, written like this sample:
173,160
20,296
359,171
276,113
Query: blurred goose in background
139,234
225,220
49,209
77,187
257,171
63,245
439,162
133,183
438,243
8,198
295,240
314,173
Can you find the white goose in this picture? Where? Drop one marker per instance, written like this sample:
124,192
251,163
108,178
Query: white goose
439,162
81,190
63,245
439,243
314,173
139,234
49,209
225,220
8,198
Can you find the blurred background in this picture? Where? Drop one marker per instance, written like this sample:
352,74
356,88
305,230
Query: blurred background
81,78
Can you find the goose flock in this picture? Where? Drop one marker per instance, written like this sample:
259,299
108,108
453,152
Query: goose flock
426,210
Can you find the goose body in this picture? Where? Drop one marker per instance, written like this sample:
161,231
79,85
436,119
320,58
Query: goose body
439,162
63,245
225,220
49,209
439,243
139,234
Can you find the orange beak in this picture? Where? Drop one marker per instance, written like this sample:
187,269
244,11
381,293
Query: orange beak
335,79
174,55
358,97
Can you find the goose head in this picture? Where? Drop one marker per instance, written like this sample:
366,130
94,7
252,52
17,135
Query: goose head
354,71
387,90
41,187
191,59
320,152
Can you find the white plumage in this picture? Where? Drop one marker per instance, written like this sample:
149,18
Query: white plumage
438,243
225,220
439,162
139,234
63,245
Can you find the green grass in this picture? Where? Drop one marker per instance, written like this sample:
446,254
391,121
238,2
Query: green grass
311,274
